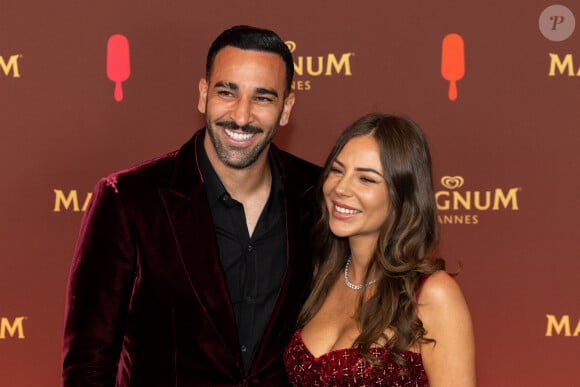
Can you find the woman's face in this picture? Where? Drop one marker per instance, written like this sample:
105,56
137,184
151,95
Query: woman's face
355,191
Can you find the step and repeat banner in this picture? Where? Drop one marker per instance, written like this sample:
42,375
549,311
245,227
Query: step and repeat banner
88,88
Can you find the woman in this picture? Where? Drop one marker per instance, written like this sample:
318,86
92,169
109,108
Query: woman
383,310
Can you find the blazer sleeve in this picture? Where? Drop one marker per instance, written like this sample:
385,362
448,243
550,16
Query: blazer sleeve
99,291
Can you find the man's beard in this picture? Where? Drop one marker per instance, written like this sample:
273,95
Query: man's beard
250,155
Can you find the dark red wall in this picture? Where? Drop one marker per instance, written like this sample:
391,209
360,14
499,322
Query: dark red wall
510,135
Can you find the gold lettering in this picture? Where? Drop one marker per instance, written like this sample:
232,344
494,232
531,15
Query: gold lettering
567,63
10,66
457,219
553,324
59,199
309,68
299,67
445,219
5,326
465,201
481,200
442,205
71,200
512,196
477,200
332,63
301,85
87,201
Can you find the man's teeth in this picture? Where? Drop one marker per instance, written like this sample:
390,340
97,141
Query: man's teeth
347,211
239,136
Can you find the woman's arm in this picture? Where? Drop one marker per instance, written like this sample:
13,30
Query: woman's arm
450,361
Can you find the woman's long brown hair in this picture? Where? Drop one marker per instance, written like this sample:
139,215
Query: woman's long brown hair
407,240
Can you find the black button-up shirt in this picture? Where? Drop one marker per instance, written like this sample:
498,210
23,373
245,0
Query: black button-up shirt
253,266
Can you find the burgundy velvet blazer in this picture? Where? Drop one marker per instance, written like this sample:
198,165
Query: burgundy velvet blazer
147,302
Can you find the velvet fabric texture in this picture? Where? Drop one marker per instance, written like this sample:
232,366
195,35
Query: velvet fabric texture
147,302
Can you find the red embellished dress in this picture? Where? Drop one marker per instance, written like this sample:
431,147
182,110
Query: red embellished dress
346,368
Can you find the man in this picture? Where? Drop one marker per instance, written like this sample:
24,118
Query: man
190,269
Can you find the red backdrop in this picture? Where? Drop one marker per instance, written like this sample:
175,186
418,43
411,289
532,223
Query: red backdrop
505,149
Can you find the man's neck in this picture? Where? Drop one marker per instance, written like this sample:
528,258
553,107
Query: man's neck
243,183
250,186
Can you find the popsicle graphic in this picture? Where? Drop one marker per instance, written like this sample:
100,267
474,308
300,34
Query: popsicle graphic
452,62
118,63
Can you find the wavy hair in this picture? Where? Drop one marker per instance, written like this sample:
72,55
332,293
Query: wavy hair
407,241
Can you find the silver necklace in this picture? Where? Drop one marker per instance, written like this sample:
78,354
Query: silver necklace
350,284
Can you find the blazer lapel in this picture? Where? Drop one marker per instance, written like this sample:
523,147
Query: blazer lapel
192,226
296,282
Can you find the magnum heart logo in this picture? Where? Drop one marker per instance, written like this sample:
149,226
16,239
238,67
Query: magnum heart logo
452,182
291,45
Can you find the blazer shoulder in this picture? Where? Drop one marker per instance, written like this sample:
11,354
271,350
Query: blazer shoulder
297,170
155,173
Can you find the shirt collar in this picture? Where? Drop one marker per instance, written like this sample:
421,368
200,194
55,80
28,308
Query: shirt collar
213,186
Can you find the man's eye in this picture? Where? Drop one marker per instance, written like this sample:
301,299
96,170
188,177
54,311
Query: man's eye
224,93
263,99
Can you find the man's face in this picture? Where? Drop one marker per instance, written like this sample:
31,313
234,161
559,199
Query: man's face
244,104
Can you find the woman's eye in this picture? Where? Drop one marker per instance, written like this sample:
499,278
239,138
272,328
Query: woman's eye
368,179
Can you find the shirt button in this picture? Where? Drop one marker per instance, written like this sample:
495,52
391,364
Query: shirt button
244,349
250,248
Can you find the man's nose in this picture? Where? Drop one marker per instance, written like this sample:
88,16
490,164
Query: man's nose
242,112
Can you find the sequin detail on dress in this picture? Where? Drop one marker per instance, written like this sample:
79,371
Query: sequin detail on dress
346,368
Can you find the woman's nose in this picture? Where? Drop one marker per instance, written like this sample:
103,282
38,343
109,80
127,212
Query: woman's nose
343,187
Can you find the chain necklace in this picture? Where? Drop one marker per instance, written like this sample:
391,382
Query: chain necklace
350,284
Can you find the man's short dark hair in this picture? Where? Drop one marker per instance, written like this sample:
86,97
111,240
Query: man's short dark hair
252,38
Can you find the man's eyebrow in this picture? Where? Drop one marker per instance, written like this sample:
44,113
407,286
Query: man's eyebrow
262,91
227,85
258,90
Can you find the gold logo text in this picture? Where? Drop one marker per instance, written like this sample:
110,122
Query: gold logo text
323,65
564,67
479,200
10,66
11,329
562,327
70,201
452,202
320,65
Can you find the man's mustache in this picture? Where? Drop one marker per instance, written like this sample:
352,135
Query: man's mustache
233,126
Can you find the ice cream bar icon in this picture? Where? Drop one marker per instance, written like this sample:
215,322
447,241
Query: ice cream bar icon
452,62
118,63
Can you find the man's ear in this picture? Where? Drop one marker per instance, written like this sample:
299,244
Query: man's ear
287,108
201,103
